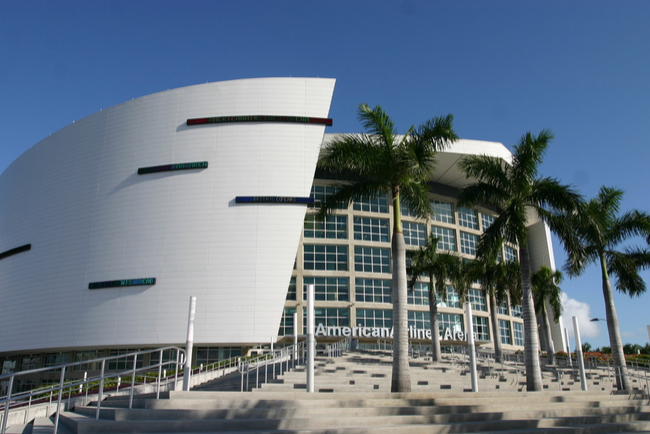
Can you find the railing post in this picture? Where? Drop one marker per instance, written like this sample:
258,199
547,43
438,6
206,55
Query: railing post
101,390
135,364
159,374
189,346
7,403
58,403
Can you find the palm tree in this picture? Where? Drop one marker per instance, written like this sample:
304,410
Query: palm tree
383,162
498,279
601,230
546,289
440,267
516,189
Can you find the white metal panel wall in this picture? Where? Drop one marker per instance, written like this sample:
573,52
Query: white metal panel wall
77,198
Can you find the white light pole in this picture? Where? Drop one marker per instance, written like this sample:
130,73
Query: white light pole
581,362
189,345
469,330
311,342
568,346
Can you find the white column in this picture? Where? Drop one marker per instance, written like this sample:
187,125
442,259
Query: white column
581,362
311,342
568,346
189,345
470,345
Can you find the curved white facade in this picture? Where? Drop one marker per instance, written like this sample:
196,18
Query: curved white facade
77,198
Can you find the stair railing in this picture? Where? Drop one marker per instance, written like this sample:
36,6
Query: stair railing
277,360
75,386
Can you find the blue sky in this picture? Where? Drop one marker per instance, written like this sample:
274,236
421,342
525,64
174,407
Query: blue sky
502,68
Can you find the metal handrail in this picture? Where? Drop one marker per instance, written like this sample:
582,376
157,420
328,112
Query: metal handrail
78,384
278,359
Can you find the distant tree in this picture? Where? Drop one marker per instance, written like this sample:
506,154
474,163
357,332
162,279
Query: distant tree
631,348
440,267
546,289
586,347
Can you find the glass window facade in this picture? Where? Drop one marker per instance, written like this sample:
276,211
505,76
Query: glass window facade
452,321
320,193
376,204
467,218
286,323
446,238
511,254
334,227
374,318
371,229
504,332
371,259
328,288
291,292
518,329
477,298
481,328
329,317
486,221
373,290
419,296
325,257
419,320
415,234
442,211
207,355
468,243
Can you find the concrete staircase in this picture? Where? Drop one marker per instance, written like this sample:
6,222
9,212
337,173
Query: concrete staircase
352,398
371,371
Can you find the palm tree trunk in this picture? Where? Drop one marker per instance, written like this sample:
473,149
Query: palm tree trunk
495,329
550,348
531,336
433,319
623,381
401,378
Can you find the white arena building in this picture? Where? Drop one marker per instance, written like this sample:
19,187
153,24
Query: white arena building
110,225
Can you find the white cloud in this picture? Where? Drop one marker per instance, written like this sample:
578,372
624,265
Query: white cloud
581,311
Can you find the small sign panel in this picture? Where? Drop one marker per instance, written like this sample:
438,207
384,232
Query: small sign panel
260,118
15,251
170,167
120,283
273,199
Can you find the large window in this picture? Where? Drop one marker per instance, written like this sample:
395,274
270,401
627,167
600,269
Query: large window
371,259
320,193
468,243
511,254
419,320
477,298
518,333
371,229
320,257
452,321
55,359
503,307
504,332
419,296
373,290
82,356
329,317
334,227
376,204
446,238
414,234
481,328
467,218
452,300
207,355
328,288
486,221
286,323
517,311
375,318
442,211
291,293
124,363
